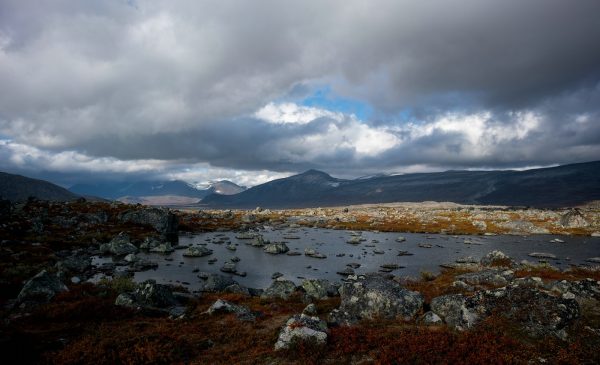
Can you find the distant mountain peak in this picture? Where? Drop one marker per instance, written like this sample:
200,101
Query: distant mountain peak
313,175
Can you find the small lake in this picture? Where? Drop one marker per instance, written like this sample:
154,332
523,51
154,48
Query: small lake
375,249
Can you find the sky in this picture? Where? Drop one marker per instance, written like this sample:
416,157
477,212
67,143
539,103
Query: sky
255,90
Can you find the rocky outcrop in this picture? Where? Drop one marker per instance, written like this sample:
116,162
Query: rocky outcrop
374,296
456,310
119,245
40,289
302,328
498,259
162,220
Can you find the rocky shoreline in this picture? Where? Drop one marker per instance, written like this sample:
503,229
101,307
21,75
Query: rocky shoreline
54,299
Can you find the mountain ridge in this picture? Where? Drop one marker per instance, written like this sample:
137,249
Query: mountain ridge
565,185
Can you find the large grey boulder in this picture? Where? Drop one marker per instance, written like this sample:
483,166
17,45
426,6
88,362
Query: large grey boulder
41,288
279,288
119,245
375,296
163,248
161,219
302,328
583,289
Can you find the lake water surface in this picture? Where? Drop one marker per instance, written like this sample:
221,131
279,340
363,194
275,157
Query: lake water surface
259,266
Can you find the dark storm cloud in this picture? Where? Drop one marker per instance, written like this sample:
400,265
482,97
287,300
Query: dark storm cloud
486,83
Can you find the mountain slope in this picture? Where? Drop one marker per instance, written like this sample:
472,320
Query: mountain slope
549,187
18,188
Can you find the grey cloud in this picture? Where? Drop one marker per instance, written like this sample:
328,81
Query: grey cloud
179,81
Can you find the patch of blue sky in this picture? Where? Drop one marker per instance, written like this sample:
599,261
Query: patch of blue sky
324,98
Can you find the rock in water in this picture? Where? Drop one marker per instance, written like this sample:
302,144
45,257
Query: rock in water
302,328
197,252
276,248
41,288
163,248
376,296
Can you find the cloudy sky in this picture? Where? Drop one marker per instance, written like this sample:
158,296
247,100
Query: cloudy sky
254,90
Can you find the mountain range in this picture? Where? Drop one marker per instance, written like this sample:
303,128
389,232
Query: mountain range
560,186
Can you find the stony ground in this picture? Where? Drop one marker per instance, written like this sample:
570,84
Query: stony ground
492,311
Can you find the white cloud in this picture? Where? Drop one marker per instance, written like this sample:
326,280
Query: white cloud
344,132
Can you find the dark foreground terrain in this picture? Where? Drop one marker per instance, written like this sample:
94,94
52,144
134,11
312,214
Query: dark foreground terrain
59,308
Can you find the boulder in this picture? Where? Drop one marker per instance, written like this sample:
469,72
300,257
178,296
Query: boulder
279,289
148,294
430,318
276,248
41,288
302,328
374,296
119,245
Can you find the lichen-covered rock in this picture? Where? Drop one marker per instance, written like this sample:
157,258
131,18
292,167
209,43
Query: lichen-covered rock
377,296
41,288
75,264
279,289
319,288
276,248
119,245
302,328
197,252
